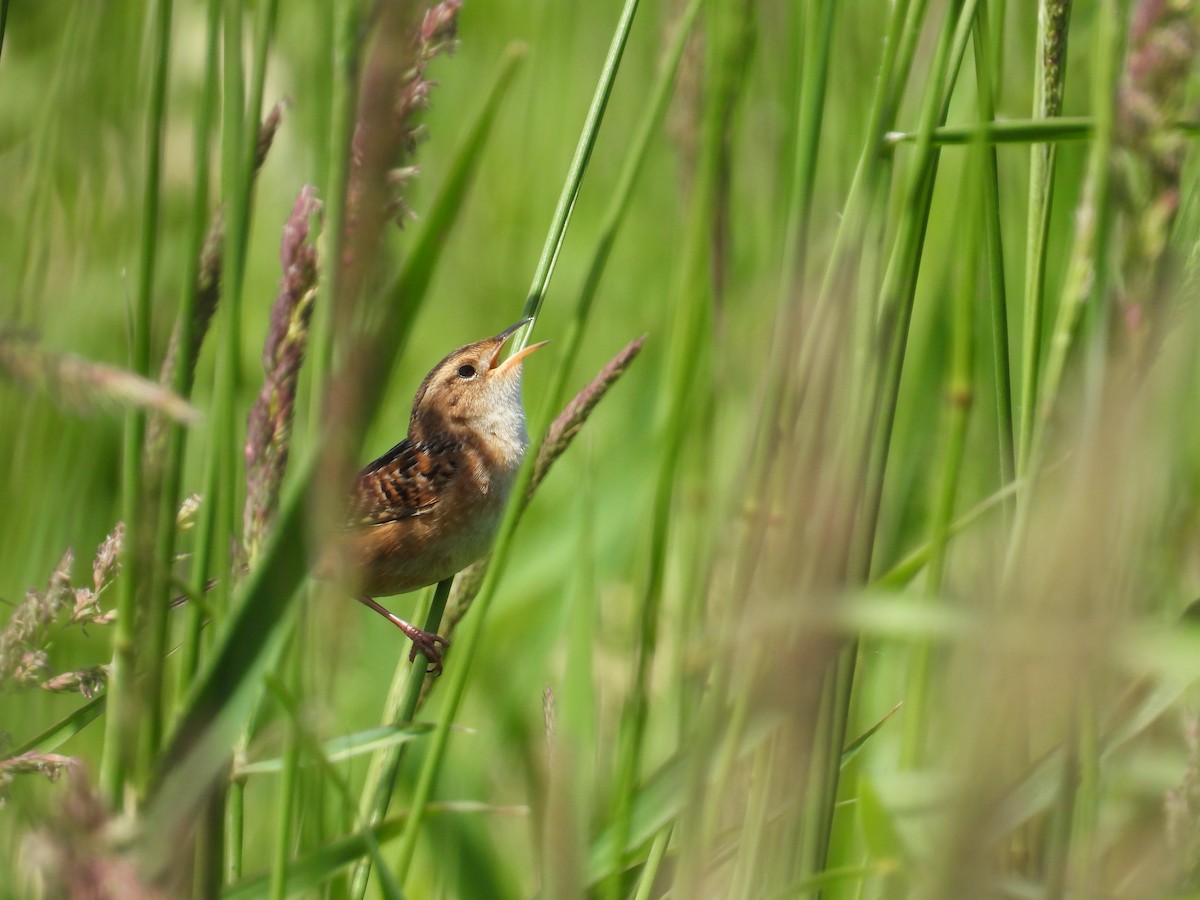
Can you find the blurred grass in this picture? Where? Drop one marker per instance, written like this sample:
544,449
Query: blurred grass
714,592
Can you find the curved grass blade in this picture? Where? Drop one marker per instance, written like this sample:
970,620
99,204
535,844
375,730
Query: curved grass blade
314,869
64,729
347,747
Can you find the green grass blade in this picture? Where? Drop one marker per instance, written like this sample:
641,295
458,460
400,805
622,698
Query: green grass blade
1050,78
184,376
346,747
576,171
223,694
63,730
385,767
121,727
655,804
993,236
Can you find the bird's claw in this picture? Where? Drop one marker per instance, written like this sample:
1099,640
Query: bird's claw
430,646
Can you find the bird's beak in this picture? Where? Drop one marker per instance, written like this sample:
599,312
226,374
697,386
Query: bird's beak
513,360
520,355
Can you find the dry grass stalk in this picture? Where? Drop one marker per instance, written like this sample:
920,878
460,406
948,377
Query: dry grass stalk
564,428
208,277
23,658
75,854
393,91
405,90
1154,95
83,385
89,682
208,295
269,430
47,765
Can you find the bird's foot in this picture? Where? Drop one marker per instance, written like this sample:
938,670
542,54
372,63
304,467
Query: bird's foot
430,645
425,642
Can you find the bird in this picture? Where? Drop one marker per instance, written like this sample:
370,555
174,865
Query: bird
431,505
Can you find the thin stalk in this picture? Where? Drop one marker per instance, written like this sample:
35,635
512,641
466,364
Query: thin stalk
1087,278
185,370
286,810
866,193
960,391
996,27
854,261
1087,270
210,839
576,171
345,46
121,731
3,23
727,37
1050,71
209,846
993,244
235,830
614,215
170,485
1060,130
898,291
215,528
258,76
894,67
818,44
897,296
650,868
817,39
385,768
468,644
747,876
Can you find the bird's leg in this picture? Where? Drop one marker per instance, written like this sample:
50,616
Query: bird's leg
427,642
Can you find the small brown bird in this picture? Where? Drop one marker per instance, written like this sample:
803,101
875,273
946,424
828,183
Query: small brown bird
431,505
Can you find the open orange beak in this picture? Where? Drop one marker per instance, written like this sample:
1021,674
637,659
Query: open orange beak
521,354
516,358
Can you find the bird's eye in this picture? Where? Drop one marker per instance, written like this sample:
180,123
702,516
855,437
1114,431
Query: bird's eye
467,371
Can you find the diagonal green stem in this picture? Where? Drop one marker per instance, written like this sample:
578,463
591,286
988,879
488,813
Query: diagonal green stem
401,708
472,637
575,173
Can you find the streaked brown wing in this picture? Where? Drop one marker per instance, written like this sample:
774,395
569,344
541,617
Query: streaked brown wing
404,482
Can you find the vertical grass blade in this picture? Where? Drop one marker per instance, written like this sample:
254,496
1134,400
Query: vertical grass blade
1050,73
121,730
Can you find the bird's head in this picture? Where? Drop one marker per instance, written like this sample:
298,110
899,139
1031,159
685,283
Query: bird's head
471,393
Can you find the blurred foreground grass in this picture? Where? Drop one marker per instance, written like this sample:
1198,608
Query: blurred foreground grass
865,579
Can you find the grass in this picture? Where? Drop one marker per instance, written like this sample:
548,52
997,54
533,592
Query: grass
861,571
